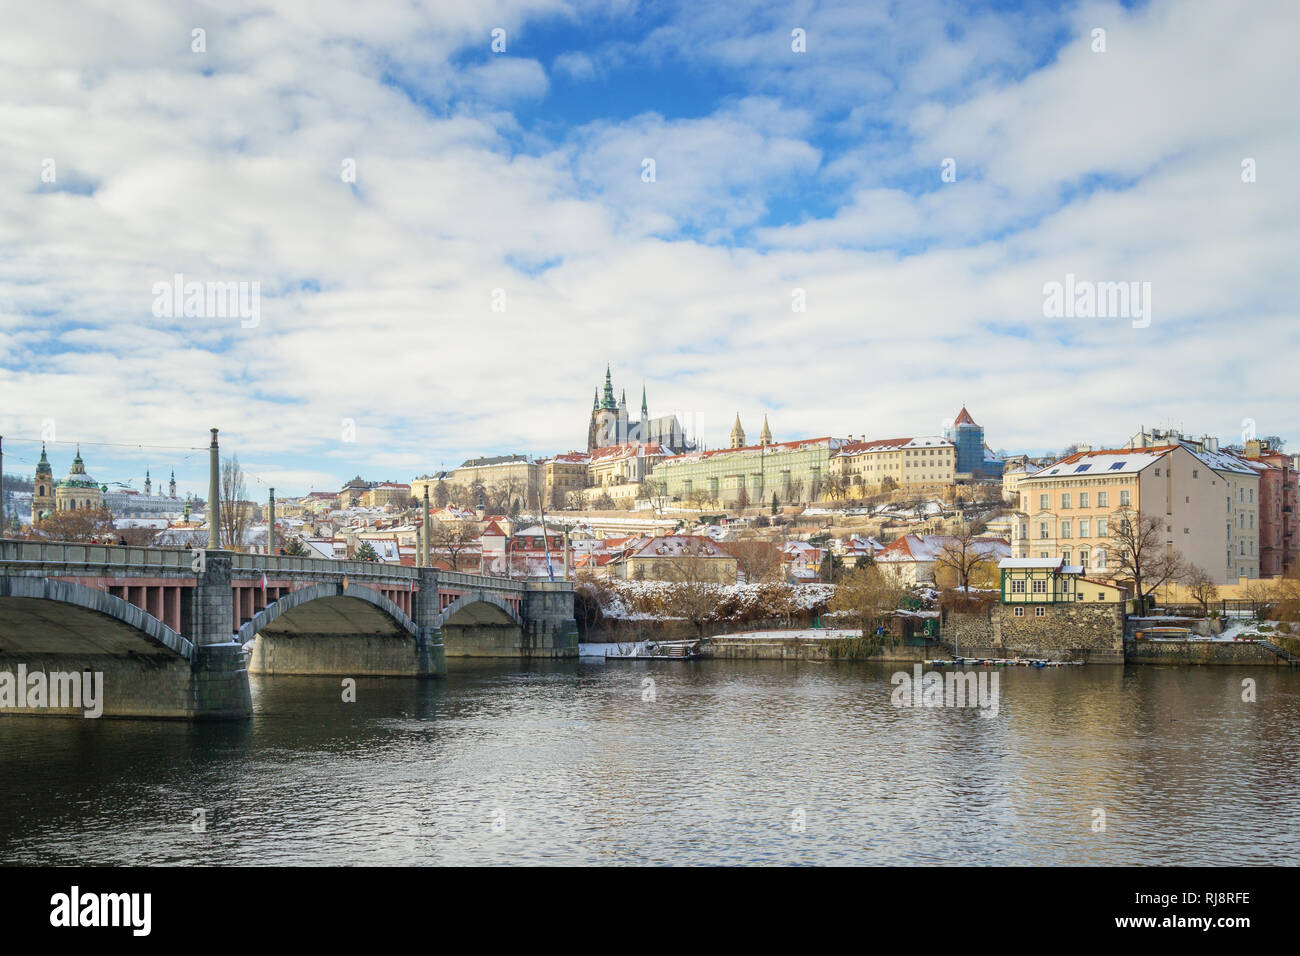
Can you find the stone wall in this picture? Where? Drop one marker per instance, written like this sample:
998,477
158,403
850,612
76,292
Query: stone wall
347,655
964,629
1093,632
812,649
1199,652
146,685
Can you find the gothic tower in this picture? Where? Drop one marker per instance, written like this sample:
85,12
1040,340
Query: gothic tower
148,483
42,488
766,437
171,485
737,434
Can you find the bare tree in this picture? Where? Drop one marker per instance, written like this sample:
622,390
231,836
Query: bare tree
83,524
1202,588
451,539
964,557
694,576
1138,552
655,491
759,560
868,597
235,510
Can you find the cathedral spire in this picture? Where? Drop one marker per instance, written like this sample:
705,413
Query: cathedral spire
609,390
644,410
765,438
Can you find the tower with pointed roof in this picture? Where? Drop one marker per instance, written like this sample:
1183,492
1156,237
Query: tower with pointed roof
765,437
42,488
148,483
969,439
737,434
171,485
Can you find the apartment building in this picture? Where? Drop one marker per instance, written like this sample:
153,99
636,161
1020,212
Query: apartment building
1279,523
1209,502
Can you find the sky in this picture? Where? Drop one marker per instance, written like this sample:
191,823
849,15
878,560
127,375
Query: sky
855,214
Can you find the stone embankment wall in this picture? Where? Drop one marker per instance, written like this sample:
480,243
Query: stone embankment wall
1200,652
1066,632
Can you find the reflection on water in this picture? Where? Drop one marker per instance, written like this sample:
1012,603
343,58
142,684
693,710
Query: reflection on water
732,762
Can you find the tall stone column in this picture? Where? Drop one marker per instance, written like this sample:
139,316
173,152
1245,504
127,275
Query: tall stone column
424,523
214,494
433,655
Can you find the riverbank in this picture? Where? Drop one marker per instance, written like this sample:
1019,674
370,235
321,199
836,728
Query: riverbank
846,644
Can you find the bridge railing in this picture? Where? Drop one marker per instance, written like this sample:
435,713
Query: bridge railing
284,564
30,554
111,555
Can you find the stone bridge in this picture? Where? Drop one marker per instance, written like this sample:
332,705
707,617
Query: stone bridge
177,632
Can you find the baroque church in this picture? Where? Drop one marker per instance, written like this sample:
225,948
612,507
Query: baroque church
611,424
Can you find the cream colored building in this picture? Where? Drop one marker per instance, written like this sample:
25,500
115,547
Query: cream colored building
623,464
1209,503
386,493
562,475
912,464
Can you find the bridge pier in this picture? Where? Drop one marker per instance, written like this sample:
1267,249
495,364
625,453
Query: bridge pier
219,673
432,653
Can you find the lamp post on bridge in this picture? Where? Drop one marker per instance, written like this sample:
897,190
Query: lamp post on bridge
214,494
270,526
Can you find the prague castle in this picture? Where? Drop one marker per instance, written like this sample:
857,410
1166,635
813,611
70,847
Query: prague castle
611,424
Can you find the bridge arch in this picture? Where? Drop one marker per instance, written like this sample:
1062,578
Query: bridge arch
325,629
21,615
324,591
481,624
479,607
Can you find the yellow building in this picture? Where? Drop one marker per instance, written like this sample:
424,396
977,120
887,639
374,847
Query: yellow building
926,464
680,558
385,493
563,475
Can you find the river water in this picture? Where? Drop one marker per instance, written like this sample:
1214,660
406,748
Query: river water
730,762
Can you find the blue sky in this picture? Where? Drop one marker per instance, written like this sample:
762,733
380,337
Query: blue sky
515,178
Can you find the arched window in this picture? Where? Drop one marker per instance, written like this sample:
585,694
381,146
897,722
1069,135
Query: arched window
40,490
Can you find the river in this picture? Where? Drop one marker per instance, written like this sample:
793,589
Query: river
733,762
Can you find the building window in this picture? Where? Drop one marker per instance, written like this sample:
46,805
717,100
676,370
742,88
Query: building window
1044,530
1042,502
1084,525
1103,499
1066,529
1083,499
1019,612
1065,499
1123,499
1040,586
1018,587
1040,611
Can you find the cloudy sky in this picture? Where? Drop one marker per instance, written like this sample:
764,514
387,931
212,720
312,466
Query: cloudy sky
502,238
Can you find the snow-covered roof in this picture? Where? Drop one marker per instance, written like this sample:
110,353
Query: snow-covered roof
928,547
1123,461
1014,563
893,444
